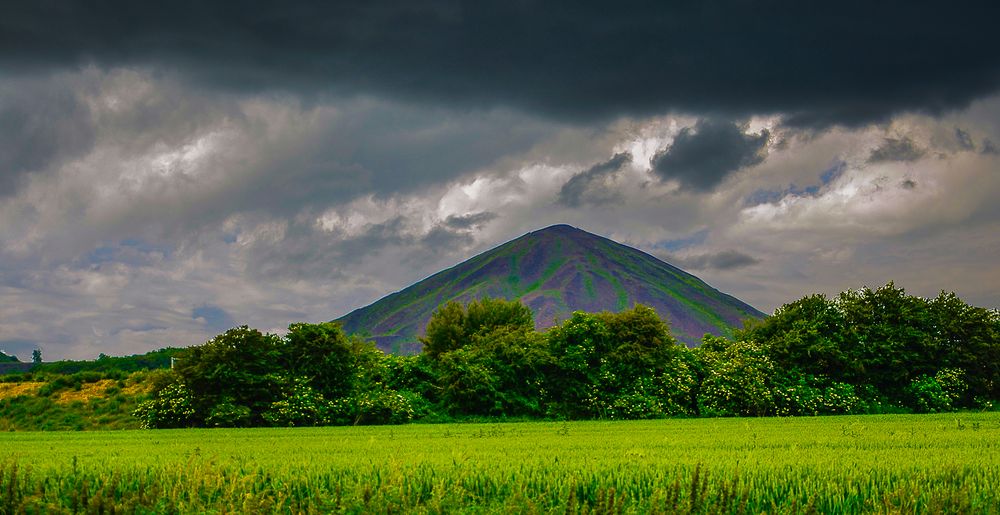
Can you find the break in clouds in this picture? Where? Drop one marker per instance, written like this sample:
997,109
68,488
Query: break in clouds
165,175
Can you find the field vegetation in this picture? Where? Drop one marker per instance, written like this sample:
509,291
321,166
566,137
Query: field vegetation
945,463
78,401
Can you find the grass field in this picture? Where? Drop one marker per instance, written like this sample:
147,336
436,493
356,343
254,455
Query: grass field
899,464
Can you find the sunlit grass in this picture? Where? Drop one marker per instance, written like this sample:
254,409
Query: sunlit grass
911,463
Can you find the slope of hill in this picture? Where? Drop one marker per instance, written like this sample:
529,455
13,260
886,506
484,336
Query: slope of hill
555,271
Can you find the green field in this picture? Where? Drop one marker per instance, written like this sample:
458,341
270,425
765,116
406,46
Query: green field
886,463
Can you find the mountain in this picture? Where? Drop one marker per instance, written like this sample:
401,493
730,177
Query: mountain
555,271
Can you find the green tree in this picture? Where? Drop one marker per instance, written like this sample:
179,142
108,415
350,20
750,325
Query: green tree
241,368
618,365
885,343
937,393
489,314
323,355
498,373
36,356
575,348
300,406
445,330
969,339
807,335
452,326
738,378
891,335
171,406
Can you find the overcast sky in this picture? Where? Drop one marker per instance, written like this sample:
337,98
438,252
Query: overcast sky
166,173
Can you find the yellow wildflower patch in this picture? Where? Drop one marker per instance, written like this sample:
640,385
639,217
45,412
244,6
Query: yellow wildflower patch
137,388
86,392
11,390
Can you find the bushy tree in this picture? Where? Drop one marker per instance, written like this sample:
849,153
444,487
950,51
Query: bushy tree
738,378
452,326
807,335
416,379
937,393
445,330
618,365
171,406
322,356
885,342
575,348
890,335
373,399
301,405
240,369
488,314
498,373
803,394
969,340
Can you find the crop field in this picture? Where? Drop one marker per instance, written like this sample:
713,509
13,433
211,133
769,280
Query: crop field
845,464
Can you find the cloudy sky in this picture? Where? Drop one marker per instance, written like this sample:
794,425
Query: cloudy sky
166,173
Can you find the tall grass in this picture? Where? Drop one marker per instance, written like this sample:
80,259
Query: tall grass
888,464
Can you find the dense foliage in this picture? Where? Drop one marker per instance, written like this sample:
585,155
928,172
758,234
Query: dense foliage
865,351
315,375
895,349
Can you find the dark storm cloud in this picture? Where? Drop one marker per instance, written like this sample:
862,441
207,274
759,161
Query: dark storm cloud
442,238
820,63
41,124
896,149
703,156
964,139
121,140
725,260
469,221
588,187
304,251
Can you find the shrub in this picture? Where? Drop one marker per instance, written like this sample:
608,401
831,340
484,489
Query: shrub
809,395
932,394
738,379
172,406
302,406
227,413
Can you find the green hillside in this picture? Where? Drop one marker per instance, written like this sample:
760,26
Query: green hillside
555,271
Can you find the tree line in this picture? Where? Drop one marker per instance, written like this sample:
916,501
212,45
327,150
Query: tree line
863,351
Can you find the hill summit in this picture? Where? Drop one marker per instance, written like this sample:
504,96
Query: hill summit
555,271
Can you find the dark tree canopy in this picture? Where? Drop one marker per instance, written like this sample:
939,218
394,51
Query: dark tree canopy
863,351
454,325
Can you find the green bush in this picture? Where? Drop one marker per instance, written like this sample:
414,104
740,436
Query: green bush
226,413
383,406
809,395
173,406
738,379
302,406
939,393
